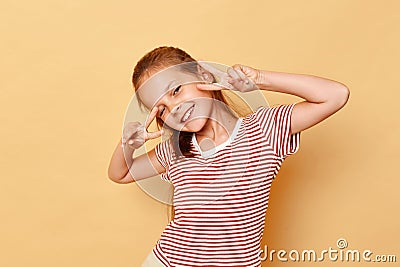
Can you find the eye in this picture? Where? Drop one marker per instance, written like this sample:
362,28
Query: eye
176,90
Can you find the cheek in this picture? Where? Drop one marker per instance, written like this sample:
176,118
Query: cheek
205,104
193,92
172,123
204,93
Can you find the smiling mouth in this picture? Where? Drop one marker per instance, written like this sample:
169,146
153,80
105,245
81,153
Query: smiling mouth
187,114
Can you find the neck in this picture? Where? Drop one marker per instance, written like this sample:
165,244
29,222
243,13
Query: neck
220,124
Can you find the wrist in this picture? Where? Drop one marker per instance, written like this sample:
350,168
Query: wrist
262,79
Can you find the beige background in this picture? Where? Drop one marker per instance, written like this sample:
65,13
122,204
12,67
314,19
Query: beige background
65,86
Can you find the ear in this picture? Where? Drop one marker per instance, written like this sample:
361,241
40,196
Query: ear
205,75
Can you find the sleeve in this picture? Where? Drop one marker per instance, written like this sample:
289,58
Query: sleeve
275,123
163,154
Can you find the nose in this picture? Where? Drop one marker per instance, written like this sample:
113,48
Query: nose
176,109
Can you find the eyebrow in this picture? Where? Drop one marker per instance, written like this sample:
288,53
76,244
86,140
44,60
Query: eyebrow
169,85
167,88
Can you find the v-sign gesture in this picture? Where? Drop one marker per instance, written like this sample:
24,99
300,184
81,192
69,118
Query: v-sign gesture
238,78
135,134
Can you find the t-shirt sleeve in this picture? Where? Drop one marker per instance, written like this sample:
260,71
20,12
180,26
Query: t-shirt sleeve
275,124
163,154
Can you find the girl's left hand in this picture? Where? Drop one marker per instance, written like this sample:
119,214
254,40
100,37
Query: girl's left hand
239,78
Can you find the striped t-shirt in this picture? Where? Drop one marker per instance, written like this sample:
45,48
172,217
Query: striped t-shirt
221,196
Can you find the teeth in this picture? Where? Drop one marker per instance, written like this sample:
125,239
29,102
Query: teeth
187,114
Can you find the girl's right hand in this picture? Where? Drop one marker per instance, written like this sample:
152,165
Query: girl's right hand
135,134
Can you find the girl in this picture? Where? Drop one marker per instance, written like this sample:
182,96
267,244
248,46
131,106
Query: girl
221,165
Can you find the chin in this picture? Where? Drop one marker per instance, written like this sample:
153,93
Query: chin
194,125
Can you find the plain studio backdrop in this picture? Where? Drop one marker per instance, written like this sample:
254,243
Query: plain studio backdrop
65,86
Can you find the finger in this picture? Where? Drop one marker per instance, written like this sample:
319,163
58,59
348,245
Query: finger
225,85
154,135
136,143
128,131
248,71
233,73
129,134
210,87
130,126
238,67
238,84
210,68
242,75
151,117
137,133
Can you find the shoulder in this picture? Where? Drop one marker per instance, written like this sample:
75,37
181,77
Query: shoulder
256,115
270,112
163,152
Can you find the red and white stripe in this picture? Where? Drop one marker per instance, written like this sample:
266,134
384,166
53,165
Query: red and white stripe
221,200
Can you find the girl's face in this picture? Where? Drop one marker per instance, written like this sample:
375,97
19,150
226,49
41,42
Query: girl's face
180,104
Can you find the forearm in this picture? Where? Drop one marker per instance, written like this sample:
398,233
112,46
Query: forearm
121,162
311,88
